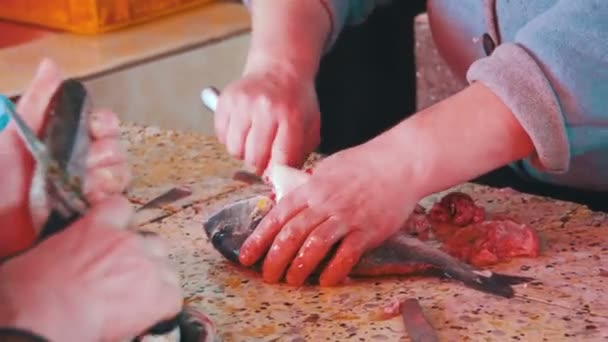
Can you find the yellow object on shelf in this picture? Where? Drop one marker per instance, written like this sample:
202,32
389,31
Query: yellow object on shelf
90,16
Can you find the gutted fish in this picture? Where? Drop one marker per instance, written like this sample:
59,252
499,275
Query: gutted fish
402,254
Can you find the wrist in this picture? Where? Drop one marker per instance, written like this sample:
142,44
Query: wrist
10,334
398,157
282,35
460,138
37,310
299,68
36,321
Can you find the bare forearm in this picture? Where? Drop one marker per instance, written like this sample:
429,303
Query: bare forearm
288,33
458,139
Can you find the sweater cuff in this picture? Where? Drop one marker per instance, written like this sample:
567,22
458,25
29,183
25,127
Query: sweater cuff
9,334
514,76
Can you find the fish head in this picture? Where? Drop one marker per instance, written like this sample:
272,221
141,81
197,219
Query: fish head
229,227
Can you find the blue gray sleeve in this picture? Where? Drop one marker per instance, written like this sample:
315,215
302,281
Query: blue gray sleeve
554,78
349,12
343,13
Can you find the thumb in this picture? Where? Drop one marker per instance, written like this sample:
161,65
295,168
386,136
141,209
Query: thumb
32,105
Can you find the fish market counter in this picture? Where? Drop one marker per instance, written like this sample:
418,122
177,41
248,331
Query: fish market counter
566,302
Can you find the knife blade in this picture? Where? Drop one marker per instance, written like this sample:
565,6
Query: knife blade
418,328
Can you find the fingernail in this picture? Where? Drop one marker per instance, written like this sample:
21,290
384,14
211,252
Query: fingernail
96,123
250,164
105,175
244,257
44,64
154,245
172,277
101,123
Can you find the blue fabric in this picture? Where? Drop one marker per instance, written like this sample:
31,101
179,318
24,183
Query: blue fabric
350,12
5,106
568,39
569,42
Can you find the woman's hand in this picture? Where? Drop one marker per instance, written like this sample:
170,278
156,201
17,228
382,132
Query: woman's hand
92,282
363,195
269,115
108,171
354,196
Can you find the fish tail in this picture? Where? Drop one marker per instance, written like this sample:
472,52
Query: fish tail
446,266
496,283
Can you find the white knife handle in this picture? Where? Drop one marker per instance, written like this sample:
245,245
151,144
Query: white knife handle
210,96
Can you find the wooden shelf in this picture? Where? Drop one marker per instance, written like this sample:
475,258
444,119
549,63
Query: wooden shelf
85,57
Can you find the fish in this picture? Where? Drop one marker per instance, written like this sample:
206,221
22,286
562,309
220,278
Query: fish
402,254
56,194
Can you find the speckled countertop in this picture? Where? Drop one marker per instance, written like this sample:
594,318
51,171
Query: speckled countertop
568,301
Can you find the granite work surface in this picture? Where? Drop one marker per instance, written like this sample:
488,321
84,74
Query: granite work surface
567,302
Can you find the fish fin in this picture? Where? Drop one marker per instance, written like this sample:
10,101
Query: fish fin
495,283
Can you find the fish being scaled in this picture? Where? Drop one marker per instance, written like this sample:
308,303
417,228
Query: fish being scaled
56,197
402,254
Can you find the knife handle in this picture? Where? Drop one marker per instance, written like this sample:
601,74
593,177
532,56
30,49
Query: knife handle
210,96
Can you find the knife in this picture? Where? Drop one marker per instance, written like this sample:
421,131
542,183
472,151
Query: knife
416,324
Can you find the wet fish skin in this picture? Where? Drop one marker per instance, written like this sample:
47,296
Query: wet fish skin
65,134
411,250
228,228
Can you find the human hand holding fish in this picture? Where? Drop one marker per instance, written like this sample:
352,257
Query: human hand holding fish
74,184
105,166
335,205
77,284
265,224
307,222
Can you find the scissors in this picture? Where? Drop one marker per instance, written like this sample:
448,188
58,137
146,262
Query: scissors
56,193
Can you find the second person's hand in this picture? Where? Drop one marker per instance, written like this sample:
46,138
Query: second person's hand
108,171
95,281
269,115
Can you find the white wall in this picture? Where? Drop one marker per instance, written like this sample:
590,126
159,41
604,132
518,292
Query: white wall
165,92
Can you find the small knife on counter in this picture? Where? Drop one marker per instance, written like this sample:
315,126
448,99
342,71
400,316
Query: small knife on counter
418,328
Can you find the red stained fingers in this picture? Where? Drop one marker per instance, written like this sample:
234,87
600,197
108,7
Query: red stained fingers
314,249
